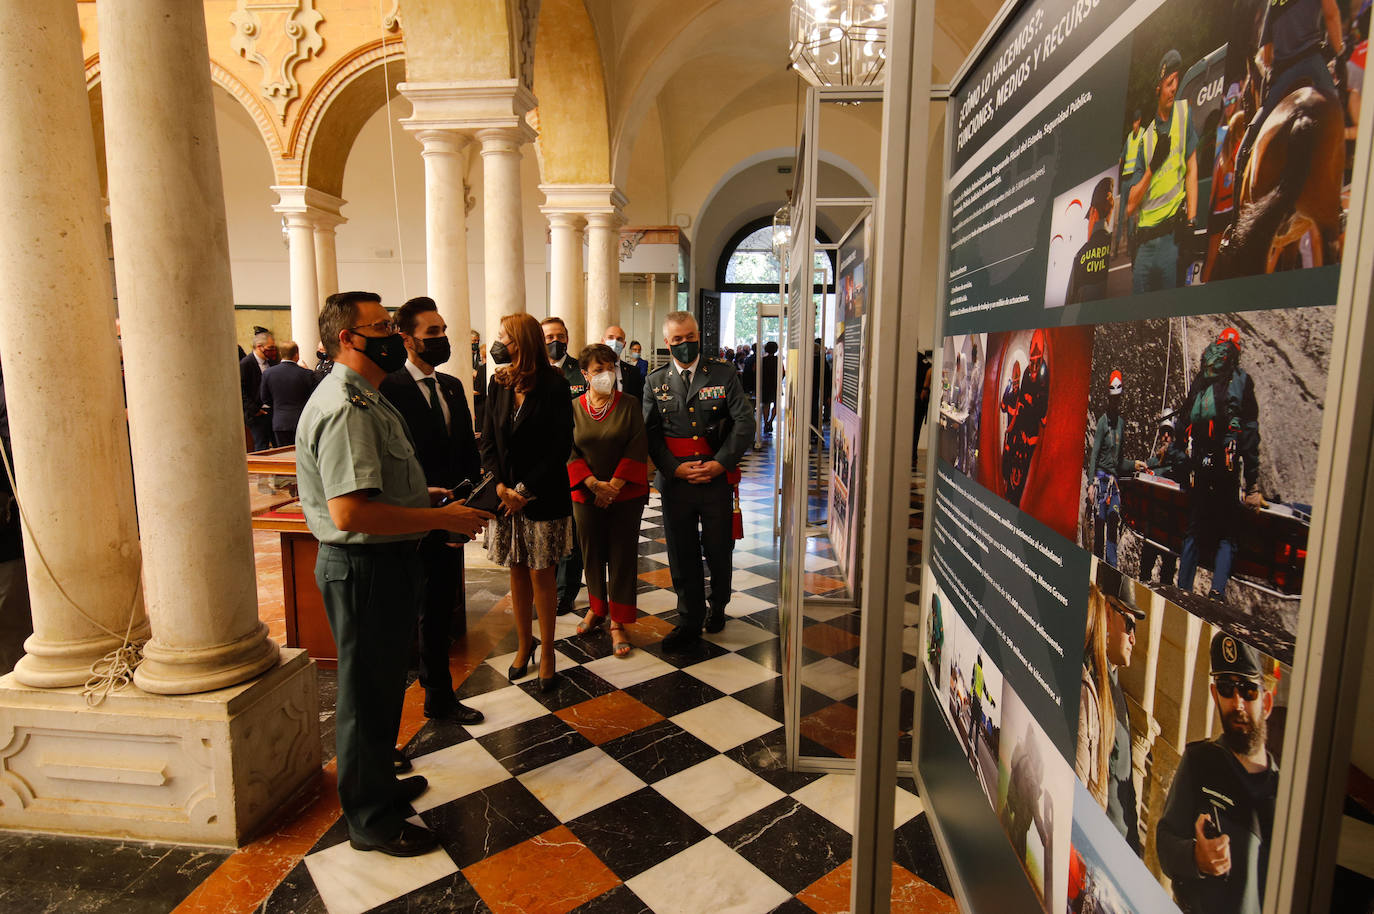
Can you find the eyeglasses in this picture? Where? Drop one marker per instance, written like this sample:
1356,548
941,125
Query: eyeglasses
1127,618
1228,687
386,328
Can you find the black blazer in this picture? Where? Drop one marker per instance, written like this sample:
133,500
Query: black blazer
285,388
533,447
630,381
250,386
447,458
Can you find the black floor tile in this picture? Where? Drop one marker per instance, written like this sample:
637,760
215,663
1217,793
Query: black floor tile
533,744
792,906
450,895
789,843
619,900
766,756
674,693
485,678
436,735
914,848
84,864
484,823
296,895
700,651
766,697
812,701
575,686
637,832
658,750
767,654
588,647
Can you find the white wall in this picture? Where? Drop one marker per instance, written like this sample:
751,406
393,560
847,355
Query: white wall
257,254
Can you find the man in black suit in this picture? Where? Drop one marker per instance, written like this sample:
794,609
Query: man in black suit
251,367
435,410
285,388
627,377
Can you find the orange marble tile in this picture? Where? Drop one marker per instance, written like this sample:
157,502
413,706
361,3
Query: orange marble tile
910,893
271,593
550,873
835,727
649,630
820,584
603,719
662,577
829,640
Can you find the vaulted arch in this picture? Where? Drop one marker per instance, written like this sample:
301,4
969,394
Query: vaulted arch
574,141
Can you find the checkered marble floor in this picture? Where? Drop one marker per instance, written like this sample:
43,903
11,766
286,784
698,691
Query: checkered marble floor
654,783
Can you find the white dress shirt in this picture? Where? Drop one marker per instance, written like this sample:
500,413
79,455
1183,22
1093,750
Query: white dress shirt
419,377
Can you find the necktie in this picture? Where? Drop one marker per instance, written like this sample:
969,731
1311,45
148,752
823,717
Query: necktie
687,380
436,410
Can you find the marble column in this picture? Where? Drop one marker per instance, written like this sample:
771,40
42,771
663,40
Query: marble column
567,285
66,412
603,270
172,257
503,236
326,259
305,284
446,242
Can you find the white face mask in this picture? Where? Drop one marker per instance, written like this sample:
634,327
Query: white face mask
603,383
617,346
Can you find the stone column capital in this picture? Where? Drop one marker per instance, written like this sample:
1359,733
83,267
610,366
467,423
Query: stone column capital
582,198
441,141
319,208
504,141
561,219
470,105
610,220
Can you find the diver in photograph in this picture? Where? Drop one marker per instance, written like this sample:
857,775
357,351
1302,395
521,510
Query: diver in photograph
1106,464
1169,461
1293,41
1213,837
1165,197
1032,409
1088,273
1222,432
1029,805
1103,761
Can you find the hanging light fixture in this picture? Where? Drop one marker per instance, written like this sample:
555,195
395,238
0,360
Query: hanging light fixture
839,42
782,232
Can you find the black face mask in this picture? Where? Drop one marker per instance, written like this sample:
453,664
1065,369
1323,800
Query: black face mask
499,353
557,349
474,347
387,352
686,352
436,351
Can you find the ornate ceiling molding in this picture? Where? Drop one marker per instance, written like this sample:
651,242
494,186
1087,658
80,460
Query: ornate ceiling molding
529,22
277,35
392,20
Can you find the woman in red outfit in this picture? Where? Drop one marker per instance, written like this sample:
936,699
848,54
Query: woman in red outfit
608,472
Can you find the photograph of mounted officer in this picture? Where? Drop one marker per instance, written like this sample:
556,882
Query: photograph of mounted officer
1186,787
1237,139
1200,446
1034,391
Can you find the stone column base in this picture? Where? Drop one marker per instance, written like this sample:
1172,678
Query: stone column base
209,768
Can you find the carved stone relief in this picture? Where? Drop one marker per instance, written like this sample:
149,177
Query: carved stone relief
628,243
392,20
277,35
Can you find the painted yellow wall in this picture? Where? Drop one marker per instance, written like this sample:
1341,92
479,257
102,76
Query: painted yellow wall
571,87
459,39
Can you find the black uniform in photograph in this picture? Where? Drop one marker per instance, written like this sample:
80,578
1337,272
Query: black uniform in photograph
1221,789
698,411
435,409
1088,275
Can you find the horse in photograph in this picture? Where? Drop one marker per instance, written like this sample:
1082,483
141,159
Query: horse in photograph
1291,185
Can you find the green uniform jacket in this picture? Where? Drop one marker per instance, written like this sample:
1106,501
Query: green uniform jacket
715,408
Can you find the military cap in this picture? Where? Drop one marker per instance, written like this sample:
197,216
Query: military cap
1231,656
1115,584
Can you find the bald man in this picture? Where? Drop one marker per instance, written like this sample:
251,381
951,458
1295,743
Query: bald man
627,376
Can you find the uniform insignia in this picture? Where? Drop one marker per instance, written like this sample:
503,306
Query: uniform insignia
711,393
357,398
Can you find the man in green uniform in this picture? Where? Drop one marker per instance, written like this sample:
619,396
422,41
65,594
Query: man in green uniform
365,499
699,424
1213,838
1165,196
556,342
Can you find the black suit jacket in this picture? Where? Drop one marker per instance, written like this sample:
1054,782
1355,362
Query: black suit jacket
250,386
532,447
285,388
630,381
447,457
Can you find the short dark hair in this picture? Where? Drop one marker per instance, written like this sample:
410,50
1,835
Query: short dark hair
596,354
340,313
553,319
636,343
770,347
409,313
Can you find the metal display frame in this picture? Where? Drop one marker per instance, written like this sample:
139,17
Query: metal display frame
1334,609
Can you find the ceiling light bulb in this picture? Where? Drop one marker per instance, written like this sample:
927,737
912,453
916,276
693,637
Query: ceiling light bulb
882,53
834,59
879,11
872,35
868,49
836,34
815,34
844,18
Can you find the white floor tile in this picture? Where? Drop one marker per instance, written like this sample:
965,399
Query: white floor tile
743,604
725,723
350,882
718,792
657,601
454,772
822,613
736,635
707,877
815,562
748,560
745,580
660,557
623,672
833,797
503,708
730,672
560,662
576,785
831,677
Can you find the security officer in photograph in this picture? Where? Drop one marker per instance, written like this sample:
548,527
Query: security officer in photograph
1213,838
1165,194
556,342
699,424
365,499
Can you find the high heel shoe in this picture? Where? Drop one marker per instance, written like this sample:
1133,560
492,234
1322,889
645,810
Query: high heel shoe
518,672
548,684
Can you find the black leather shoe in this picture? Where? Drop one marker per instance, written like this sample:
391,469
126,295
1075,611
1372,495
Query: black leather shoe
680,639
457,713
411,841
715,621
399,762
409,789
518,672
565,608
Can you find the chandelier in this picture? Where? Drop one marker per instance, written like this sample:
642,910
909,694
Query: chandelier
839,42
782,233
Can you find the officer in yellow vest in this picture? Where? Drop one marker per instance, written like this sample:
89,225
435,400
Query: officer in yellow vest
1126,227
1165,197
